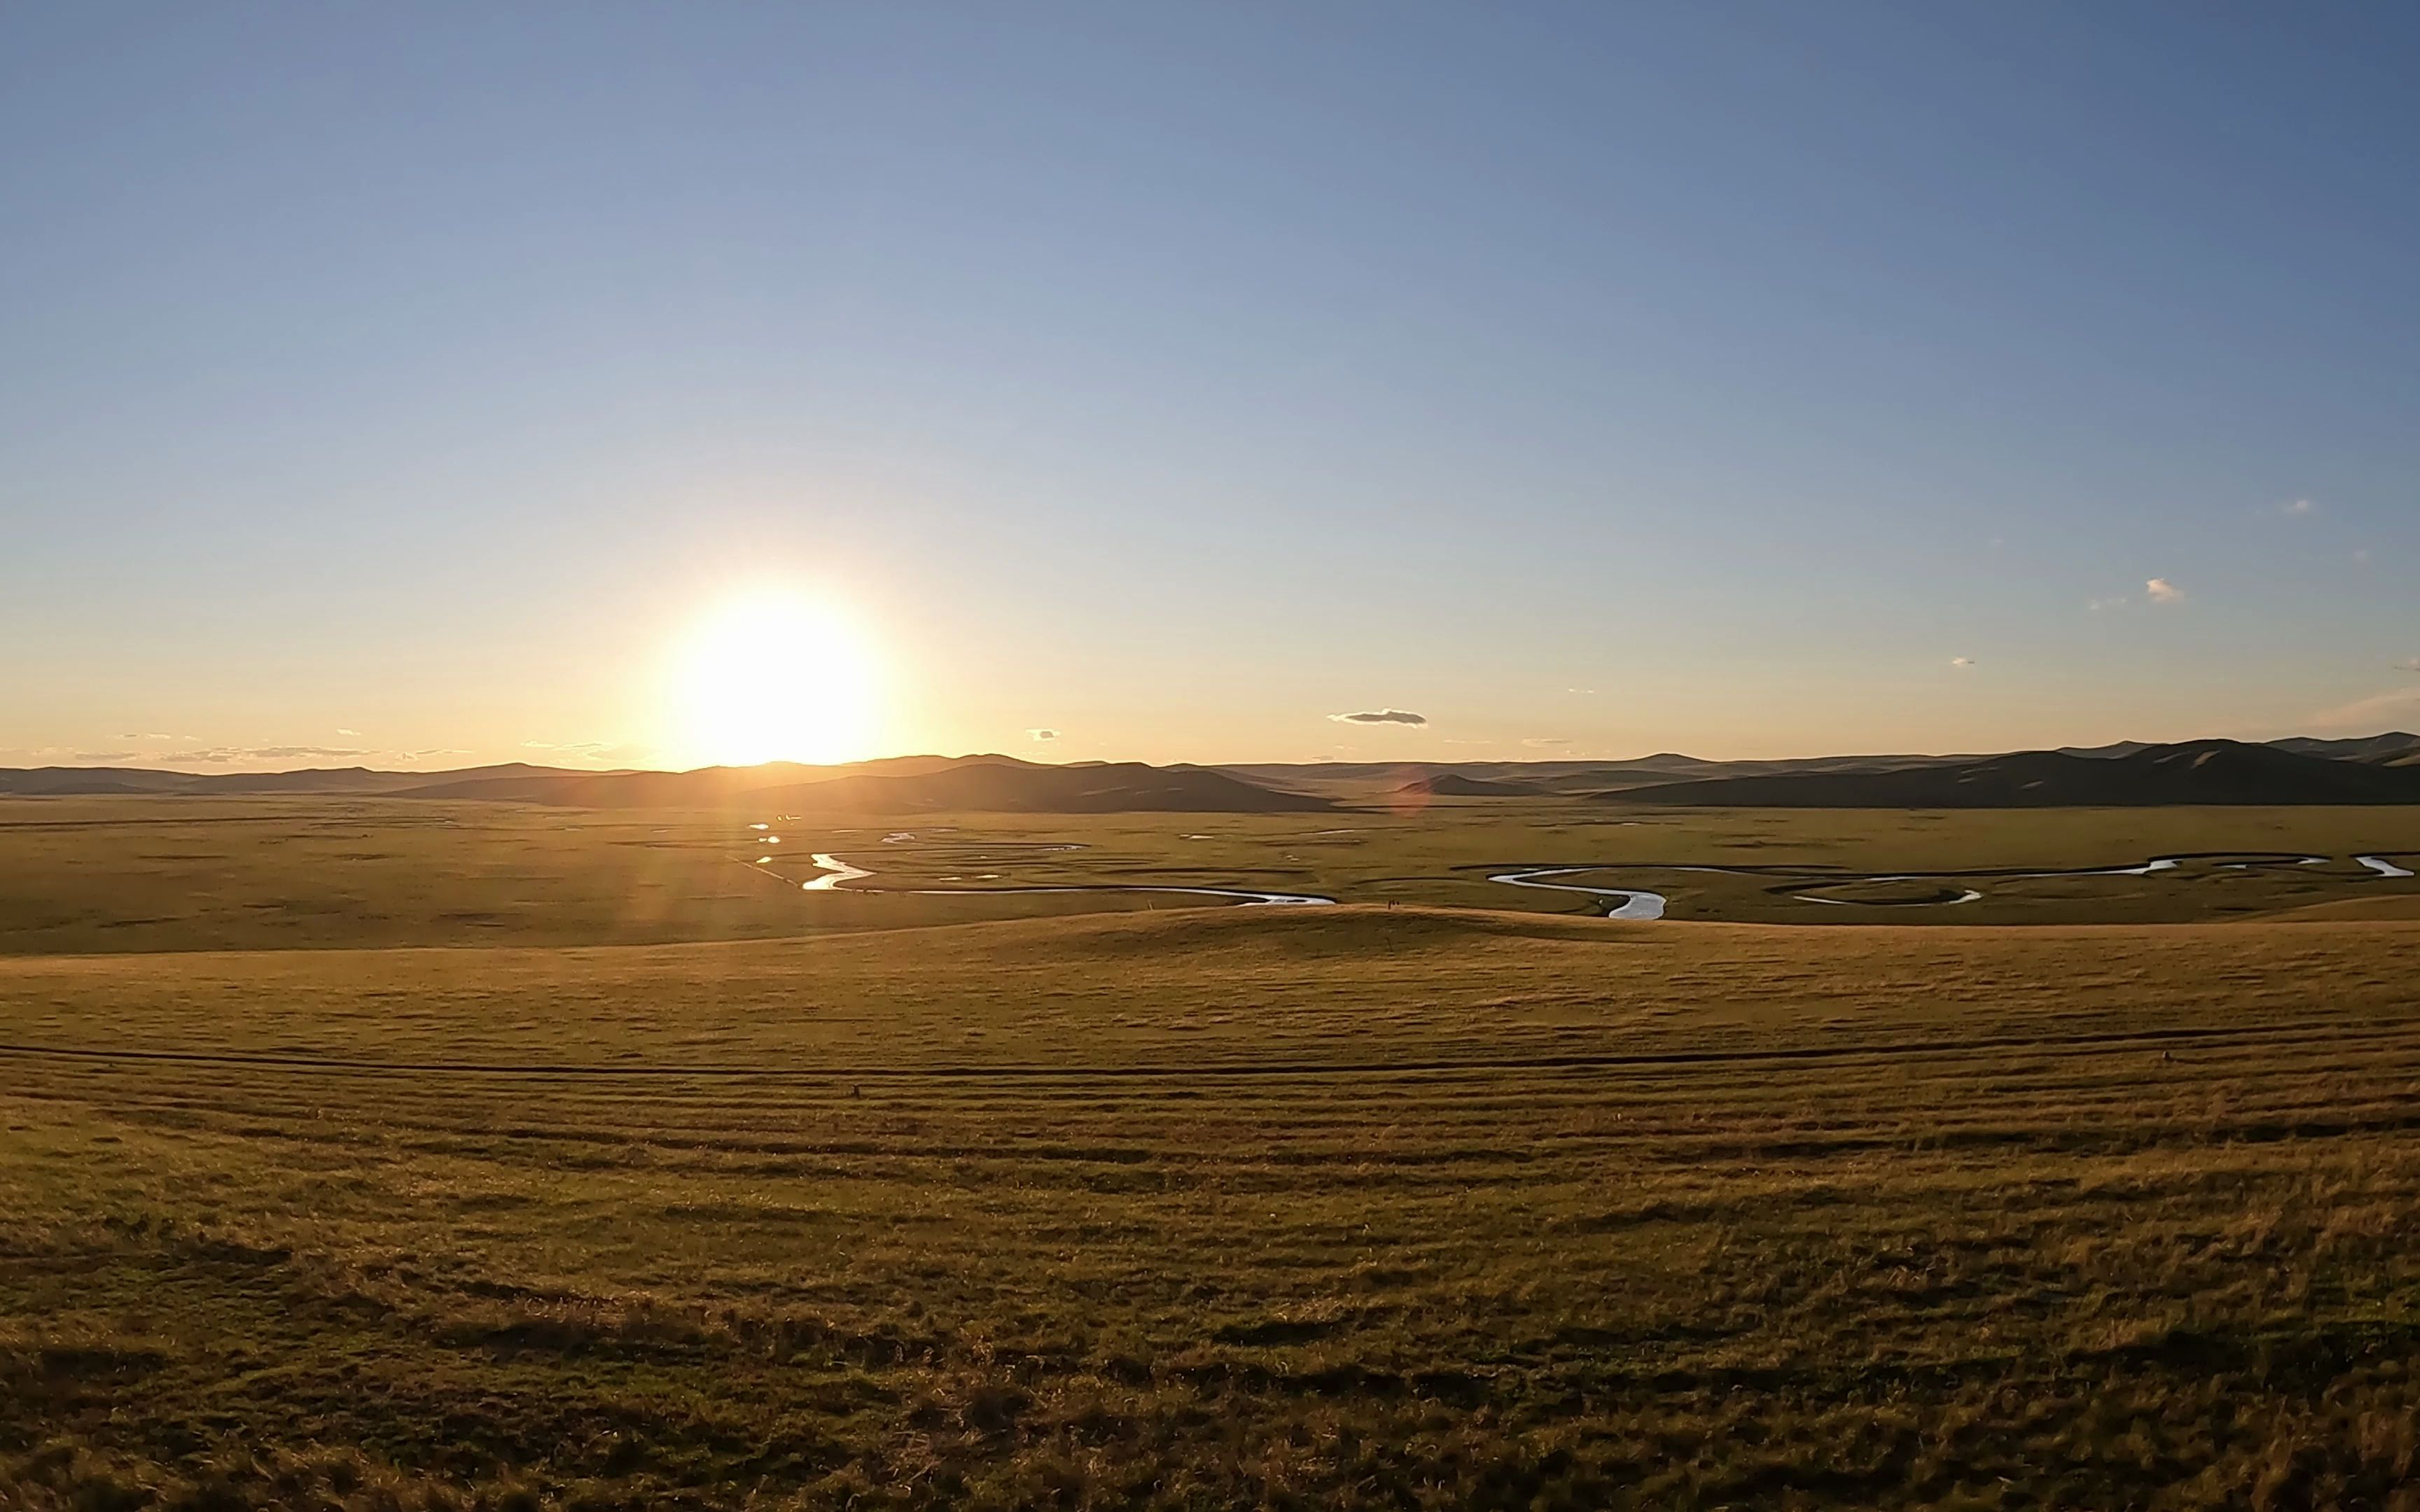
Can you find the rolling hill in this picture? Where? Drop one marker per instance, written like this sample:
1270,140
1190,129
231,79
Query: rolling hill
985,787
972,784
1455,785
2395,747
2383,769
980,783
67,781
2194,772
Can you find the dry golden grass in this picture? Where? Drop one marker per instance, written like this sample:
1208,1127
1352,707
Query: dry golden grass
1405,1208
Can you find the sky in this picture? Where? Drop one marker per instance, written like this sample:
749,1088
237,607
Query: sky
421,385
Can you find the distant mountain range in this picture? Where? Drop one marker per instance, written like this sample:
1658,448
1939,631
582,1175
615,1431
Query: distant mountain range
1455,785
2370,769
2199,771
1672,774
906,784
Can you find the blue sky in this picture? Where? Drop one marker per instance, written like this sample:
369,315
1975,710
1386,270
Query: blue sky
1588,379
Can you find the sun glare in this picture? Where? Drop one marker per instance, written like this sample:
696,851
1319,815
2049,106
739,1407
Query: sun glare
777,677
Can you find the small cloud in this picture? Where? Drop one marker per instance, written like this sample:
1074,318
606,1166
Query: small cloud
2098,605
2409,665
2161,590
1545,741
104,755
1381,716
1580,691
1042,735
2297,506
434,751
1962,661
157,738
351,735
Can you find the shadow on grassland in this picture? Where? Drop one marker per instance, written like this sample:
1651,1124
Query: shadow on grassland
1346,930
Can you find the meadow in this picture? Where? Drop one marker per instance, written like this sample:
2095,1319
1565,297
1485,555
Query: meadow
84,875
1420,1206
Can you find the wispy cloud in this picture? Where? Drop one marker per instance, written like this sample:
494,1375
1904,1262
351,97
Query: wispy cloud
1962,661
2298,506
1042,735
595,753
2375,709
351,735
223,755
2409,665
2161,590
1545,741
433,751
104,757
2117,601
1381,716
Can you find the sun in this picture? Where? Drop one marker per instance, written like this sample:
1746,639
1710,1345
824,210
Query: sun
777,676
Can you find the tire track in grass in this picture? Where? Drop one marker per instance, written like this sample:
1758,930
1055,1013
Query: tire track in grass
2084,1043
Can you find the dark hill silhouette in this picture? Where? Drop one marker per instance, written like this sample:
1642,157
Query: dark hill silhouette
71,782
1455,785
59,781
311,780
1107,787
2120,748
708,787
1547,779
985,783
2396,745
2194,772
2382,768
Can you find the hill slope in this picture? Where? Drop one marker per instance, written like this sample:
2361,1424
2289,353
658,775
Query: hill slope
2368,769
2396,745
2196,772
983,787
1455,785
983,784
973,784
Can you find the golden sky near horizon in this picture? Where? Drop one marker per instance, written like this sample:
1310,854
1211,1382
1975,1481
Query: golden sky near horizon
787,670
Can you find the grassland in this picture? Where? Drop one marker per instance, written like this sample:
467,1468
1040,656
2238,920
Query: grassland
83,876
1205,1207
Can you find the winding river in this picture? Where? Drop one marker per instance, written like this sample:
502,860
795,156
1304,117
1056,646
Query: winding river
1634,903
836,871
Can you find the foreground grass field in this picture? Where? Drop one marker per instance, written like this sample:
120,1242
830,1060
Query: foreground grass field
1355,1207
